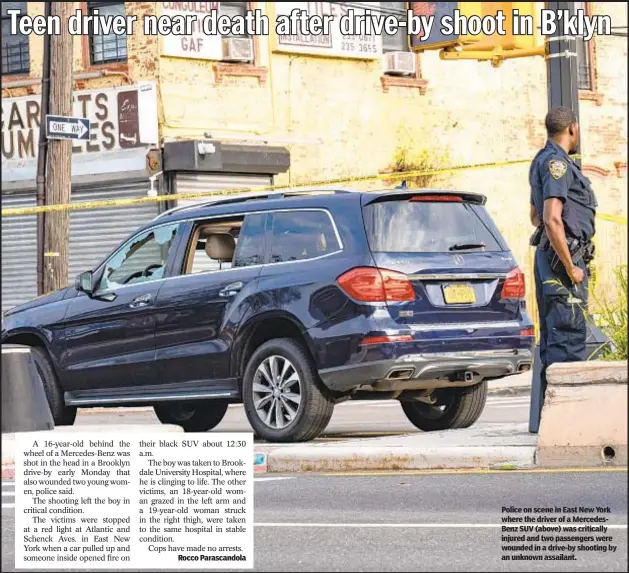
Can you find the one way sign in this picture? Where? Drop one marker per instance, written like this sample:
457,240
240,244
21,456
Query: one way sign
59,127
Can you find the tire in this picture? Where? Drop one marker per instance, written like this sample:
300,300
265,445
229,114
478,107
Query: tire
192,416
461,408
62,415
310,415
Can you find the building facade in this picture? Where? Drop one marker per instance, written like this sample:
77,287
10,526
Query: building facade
199,113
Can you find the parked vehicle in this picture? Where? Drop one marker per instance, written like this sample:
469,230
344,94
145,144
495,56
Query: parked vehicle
290,303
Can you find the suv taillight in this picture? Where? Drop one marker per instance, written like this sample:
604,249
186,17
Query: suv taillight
369,284
514,286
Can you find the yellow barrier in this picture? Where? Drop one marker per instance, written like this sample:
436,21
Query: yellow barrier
15,211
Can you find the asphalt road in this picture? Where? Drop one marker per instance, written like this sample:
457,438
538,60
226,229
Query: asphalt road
366,418
421,521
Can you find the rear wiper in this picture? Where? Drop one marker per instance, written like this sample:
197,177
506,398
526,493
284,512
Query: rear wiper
466,246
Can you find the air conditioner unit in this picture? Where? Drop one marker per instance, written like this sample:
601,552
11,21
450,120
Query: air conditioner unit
399,63
237,50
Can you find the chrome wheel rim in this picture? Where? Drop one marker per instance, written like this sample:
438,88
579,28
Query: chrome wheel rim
276,392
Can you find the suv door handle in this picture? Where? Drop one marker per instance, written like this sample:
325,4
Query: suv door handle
231,290
140,301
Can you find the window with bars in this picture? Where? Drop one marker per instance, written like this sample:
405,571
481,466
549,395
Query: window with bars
397,42
15,50
107,48
584,60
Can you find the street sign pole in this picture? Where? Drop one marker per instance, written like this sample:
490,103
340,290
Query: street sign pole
563,91
562,64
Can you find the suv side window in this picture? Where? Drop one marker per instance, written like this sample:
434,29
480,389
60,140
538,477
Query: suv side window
300,235
221,244
140,260
250,246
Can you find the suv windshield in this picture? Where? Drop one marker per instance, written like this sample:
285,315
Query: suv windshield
431,227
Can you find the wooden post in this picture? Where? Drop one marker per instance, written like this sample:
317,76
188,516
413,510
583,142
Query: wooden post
59,160
42,154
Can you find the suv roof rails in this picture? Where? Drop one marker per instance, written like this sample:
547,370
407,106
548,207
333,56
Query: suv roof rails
255,196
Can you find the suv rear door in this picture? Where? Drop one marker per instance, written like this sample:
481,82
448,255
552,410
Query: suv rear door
446,244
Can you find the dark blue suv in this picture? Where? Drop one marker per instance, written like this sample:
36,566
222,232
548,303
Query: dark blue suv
290,303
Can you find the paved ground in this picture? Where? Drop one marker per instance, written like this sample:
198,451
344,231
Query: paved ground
421,521
349,419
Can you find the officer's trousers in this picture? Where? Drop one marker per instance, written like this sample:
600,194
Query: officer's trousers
562,310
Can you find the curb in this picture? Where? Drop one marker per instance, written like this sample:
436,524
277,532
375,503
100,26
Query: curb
514,391
378,458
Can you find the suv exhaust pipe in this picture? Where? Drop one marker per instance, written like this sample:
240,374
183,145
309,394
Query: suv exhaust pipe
400,374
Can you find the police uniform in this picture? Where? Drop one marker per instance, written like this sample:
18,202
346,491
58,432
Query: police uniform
562,305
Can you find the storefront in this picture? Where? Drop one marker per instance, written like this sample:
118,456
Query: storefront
113,164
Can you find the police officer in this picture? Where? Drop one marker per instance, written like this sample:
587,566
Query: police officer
563,208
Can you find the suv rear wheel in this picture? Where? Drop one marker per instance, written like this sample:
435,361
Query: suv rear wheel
192,416
282,394
62,415
455,408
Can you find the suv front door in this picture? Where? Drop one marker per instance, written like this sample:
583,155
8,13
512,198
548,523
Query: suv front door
110,334
199,311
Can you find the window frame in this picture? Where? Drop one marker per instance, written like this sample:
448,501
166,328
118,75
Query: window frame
590,51
89,60
24,43
246,7
407,47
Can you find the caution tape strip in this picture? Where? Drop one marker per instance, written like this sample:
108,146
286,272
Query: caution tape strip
612,218
15,211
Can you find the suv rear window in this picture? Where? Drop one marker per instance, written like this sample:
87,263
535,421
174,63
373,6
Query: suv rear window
300,235
429,227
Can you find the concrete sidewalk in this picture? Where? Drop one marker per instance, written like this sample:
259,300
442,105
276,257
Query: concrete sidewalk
500,446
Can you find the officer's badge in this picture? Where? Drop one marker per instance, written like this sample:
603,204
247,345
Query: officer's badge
557,168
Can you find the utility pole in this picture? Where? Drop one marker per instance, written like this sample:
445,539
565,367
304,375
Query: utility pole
59,160
42,153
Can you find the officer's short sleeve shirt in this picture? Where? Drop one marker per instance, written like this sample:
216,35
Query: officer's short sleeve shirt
556,177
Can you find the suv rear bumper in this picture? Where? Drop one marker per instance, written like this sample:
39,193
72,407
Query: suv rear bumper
428,370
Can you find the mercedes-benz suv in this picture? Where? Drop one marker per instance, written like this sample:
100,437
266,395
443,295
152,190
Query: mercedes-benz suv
289,303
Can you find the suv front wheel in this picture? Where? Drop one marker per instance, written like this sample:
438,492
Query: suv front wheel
192,416
454,408
282,393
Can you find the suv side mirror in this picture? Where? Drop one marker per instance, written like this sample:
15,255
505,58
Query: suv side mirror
85,282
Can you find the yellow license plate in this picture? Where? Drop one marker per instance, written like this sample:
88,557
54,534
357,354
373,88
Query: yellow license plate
459,294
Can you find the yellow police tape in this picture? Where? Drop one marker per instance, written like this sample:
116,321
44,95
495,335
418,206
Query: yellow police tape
12,212
612,218
16,211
